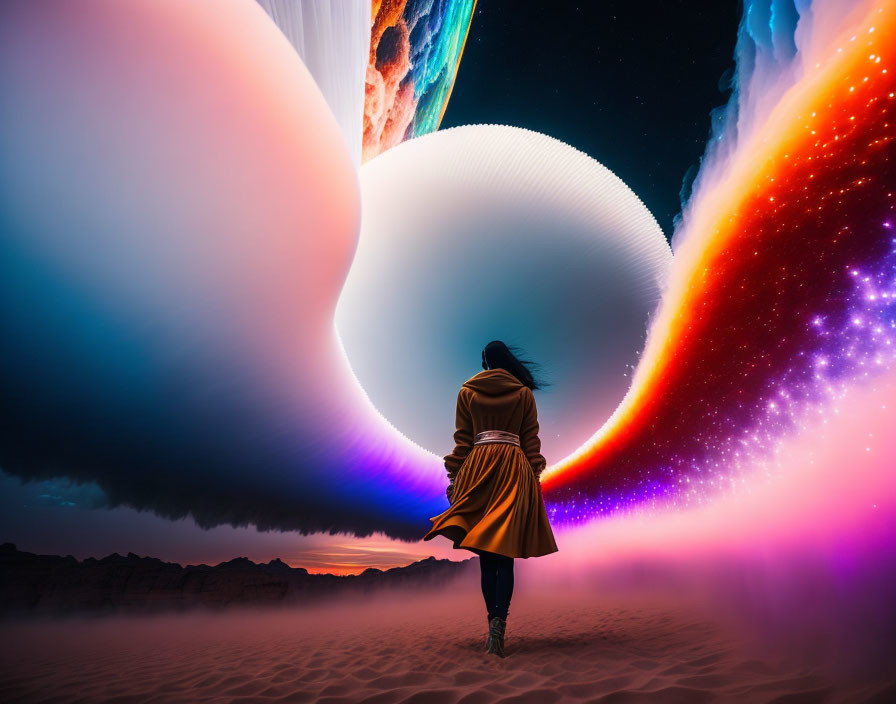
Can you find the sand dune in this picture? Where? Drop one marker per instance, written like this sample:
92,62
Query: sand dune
409,648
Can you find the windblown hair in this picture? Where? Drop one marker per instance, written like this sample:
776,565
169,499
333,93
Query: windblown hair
497,355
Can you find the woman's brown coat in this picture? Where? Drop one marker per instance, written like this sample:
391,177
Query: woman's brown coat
497,504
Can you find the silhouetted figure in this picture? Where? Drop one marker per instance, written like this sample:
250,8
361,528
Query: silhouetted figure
494,488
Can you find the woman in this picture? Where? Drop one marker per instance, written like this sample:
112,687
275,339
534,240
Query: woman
494,484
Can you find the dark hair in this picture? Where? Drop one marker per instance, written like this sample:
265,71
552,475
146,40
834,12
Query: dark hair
497,355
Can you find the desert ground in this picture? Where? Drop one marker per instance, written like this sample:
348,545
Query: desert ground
570,646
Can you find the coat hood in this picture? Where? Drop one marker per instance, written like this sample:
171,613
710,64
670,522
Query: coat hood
493,382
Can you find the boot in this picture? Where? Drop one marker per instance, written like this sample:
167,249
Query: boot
489,639
496,629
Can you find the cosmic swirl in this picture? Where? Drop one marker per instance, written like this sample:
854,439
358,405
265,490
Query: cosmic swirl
791,297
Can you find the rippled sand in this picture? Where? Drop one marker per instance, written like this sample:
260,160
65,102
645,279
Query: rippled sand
409,648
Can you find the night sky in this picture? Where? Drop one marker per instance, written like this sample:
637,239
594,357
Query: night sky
630,84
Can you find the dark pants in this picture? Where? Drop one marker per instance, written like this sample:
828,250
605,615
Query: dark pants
497,582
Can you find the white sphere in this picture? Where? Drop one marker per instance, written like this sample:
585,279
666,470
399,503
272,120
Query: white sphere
492,232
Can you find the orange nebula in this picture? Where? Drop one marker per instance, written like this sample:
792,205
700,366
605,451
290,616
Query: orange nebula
767,249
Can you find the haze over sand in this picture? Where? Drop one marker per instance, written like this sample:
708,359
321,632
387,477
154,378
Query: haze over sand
563,645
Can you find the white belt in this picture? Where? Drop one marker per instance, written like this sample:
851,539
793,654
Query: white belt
489,436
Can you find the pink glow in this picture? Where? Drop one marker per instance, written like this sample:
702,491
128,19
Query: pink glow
831,484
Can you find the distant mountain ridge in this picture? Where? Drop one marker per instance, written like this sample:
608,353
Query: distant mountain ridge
51,584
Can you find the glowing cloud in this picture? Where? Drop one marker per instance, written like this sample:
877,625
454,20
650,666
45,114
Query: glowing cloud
415,49
172,252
